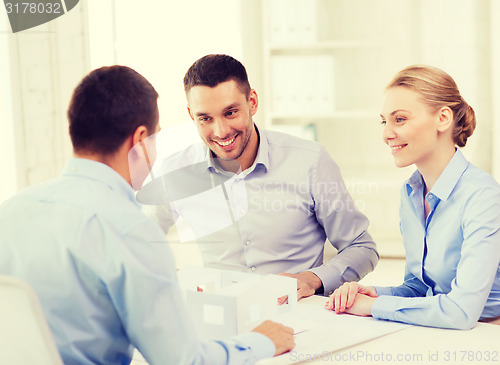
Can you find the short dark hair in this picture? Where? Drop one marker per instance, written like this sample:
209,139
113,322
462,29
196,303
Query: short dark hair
213,69
107,106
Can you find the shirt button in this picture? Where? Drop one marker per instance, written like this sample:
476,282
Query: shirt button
253,268
431,196
247,243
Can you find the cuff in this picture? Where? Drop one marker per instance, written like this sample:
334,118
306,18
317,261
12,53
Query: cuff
260,345
330,278
382,308
382,290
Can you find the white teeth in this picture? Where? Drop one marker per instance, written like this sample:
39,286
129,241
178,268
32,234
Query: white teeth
396,148
226,143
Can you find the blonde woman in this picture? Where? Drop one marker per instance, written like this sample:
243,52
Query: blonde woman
449,215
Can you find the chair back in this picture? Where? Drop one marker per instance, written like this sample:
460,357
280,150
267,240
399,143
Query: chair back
25,337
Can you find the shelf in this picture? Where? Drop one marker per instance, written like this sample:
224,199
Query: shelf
324,68
322,46
308,119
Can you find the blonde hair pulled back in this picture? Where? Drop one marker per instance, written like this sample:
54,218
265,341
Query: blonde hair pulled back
438,90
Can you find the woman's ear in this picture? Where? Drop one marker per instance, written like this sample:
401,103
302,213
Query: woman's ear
444,119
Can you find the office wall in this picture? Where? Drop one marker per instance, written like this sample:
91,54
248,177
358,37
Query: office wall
8,181
495,83
40,68
162,38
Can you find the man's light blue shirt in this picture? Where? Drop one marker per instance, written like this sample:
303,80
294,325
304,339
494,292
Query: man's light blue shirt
453,255
270,218
104,274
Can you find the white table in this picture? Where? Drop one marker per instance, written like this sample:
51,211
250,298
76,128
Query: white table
409,345
413,345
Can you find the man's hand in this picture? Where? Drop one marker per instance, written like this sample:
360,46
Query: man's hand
281,336
345,297
307,283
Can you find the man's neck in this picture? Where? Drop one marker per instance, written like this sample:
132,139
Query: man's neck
112,161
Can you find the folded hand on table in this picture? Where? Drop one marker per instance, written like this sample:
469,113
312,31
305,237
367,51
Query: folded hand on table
352,298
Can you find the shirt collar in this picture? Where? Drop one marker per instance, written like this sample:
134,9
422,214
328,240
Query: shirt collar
446,181
262,158
415,182
101,172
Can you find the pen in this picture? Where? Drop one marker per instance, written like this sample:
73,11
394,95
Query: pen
299,332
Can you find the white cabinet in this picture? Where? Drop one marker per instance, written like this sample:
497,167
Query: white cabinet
325,66
323,61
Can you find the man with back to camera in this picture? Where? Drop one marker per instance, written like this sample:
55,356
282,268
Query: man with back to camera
258,200
102,270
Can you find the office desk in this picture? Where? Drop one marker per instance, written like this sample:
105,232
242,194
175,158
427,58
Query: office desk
409,345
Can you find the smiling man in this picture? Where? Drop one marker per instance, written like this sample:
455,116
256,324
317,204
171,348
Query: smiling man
256,200
223,115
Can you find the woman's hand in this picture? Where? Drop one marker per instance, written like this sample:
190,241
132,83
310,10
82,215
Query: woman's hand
343,298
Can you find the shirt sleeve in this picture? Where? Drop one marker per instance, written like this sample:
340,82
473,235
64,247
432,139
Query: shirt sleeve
411,287
475,273
162,215
345,226
153,197
142,284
